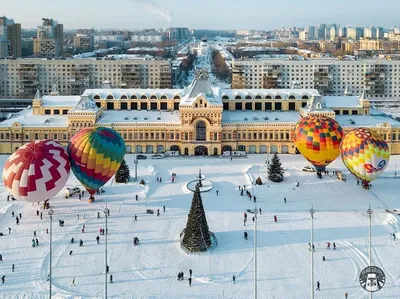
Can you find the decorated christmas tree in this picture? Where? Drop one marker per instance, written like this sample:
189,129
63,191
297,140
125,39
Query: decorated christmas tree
197,237
122,175
275,170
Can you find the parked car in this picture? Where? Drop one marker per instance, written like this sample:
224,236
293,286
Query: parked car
156,156
309,169
71,191
141,157
171,153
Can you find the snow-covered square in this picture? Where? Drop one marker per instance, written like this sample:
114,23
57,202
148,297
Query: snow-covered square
150,269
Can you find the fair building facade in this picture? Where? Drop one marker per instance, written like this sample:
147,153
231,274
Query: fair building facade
199,119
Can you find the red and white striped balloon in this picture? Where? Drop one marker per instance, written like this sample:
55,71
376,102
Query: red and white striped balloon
37,171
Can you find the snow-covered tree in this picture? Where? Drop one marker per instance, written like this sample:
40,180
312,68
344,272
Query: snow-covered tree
275,169
197,237
122,175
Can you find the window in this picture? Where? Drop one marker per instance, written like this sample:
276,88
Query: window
153,97
238,97
337,112
282,136
124,106
292,97
17,136
292,106
238,106
46,136
164,106
177,97
225,97
123,97
143,106
153,106
201,130
65,136
96,97
287,136
55,136
65,111
278,106
354,112
143,97
186,136
47,111
134,97
258,106
134,106
26,137
345,112
56,112
238,135
2,136
163,98
248,106
36,136
110,106
268,106
176,106
226,106
110,97
172,136
394,136
303,104
229,136
278,97
249,136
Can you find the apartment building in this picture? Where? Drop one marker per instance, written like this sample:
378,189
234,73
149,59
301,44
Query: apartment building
22,77
84,42
10,38
49,41
379,77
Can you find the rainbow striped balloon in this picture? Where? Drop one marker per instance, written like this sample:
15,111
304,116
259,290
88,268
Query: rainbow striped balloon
318,139
95,155
365,154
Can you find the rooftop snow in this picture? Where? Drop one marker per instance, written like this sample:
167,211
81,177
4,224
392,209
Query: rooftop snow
60,101
118,93
259,117
284,93
139,116
342,101
26,118
365,120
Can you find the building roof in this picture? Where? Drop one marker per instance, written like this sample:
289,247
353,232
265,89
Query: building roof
260,117
284,93
137,116
26,118
342,101
60,101
365,120
118,93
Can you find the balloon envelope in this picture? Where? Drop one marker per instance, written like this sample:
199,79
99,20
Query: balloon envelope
95,155
36,171
365,153
318,139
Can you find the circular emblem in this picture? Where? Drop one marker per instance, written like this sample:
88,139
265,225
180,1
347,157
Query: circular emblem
369,211
312,211
372,279
255,211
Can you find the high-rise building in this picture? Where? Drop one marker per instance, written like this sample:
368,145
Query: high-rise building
179,33
49,41
84,42
10,38
311,31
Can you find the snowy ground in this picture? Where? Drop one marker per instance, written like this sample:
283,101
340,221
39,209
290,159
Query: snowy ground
150,269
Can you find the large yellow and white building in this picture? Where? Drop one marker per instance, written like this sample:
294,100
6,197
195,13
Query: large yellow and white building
199,119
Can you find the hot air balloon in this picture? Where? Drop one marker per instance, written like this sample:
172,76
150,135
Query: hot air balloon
365,154
95,155
36,171
318,139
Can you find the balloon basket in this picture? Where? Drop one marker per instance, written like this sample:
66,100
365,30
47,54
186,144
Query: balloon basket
91,199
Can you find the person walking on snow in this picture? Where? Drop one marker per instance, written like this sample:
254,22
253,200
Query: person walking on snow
73,282
275,219
12,267
80,243
217,192
1,258
260,211
346,295
158,212
244,221
190,272
135,218
9,230
328,245
318,286
137,197
245,235
111,278
254,219
37,242
255,198
163,209
234,278
3,278
284,199
190,281
98,239
334,246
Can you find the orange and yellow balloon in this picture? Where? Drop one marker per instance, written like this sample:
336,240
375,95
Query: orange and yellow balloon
365,154
318,137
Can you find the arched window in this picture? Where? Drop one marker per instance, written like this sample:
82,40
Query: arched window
143,97
153,97
164,98
201,131
258,97
238,97
225,97
133,97
96,97
123,97
177,97
268,97
319,106
278,97
248,97
304,97
292,97
110,97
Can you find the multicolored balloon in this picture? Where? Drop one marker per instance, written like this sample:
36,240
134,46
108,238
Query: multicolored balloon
37,171
318,139
95,155
365,154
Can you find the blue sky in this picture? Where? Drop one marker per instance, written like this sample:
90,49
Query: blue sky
222,14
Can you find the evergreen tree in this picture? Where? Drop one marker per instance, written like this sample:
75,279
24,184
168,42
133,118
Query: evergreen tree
275,170
122,175
197,237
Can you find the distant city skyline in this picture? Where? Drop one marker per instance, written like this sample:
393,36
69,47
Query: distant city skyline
205,14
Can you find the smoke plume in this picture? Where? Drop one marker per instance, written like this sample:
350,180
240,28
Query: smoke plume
156,9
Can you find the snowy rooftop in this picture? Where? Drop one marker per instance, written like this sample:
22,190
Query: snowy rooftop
26,118
365,120
260,117
118,93
342,101
134,116
60,101
284,93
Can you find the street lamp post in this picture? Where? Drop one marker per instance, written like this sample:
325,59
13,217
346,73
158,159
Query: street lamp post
312,211
369,212
255,251
51,212
136,160
106,211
